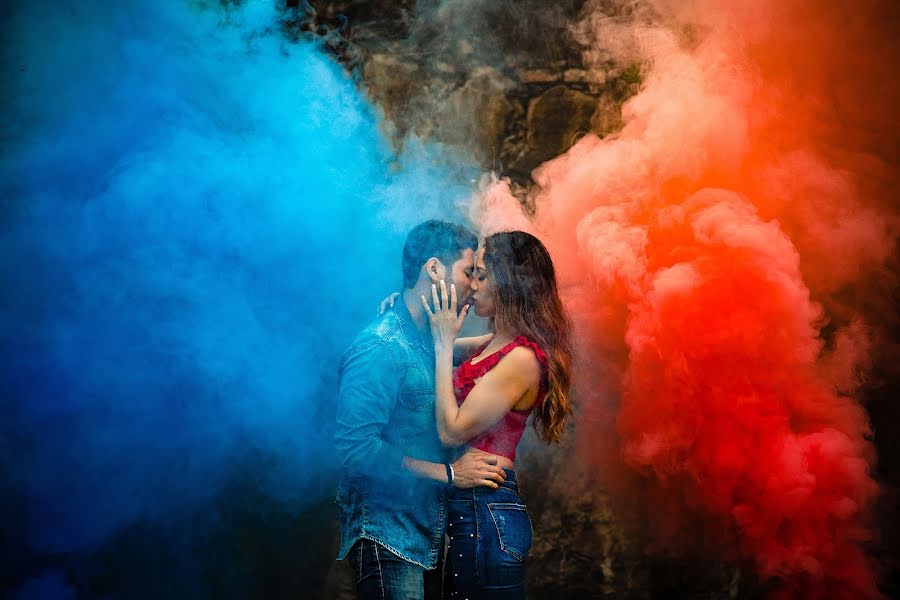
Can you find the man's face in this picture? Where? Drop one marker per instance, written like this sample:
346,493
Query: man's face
461,276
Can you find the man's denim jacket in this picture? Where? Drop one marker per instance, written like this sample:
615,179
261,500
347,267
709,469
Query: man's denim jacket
385,412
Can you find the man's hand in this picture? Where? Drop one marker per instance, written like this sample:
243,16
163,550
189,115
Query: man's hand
476,469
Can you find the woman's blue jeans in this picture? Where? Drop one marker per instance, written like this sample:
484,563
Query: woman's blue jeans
490,536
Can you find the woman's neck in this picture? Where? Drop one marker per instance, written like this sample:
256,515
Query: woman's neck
502,335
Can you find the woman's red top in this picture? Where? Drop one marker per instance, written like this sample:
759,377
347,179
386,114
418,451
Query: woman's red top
504,436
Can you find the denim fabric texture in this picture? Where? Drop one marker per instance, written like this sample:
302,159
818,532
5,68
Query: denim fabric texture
385,411
490,537
382,575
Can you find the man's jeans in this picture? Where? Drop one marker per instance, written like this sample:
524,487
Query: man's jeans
382,575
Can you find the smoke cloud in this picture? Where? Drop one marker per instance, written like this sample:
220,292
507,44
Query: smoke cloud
725,251
198,217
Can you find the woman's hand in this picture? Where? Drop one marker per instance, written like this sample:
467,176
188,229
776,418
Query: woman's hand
444,319
387,303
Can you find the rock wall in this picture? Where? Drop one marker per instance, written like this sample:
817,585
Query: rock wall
503,81
506,83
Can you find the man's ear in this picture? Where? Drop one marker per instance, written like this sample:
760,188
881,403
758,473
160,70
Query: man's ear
434,269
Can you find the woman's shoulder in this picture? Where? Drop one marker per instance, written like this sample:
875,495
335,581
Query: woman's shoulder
526,346
524,361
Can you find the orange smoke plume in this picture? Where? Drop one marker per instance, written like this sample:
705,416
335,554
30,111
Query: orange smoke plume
711,248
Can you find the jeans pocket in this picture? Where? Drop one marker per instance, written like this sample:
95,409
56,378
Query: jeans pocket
365,560
513,528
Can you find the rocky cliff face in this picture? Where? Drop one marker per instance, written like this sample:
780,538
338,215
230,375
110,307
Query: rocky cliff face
506,82
502,81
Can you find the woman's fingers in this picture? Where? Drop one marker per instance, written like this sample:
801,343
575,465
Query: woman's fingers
388,302
445,303
427,308
445,307
489,483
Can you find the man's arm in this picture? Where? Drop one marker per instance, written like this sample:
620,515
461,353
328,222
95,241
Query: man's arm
366,399
464,347
473,469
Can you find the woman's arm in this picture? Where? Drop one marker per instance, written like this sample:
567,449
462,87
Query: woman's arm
495,394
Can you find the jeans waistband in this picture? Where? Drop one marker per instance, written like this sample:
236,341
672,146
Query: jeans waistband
510,482
485,493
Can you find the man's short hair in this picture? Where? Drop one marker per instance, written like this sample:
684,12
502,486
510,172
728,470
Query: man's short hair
439,239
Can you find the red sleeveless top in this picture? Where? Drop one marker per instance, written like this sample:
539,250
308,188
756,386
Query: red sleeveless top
504,436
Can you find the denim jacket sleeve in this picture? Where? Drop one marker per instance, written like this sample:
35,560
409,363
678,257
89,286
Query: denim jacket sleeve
369,386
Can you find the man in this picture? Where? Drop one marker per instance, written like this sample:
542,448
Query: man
396,472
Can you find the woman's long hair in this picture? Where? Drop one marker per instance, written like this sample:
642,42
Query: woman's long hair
527,303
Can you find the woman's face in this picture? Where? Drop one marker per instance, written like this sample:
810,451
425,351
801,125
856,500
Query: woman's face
483,294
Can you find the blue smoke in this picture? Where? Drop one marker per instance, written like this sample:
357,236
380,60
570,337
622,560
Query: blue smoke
198,215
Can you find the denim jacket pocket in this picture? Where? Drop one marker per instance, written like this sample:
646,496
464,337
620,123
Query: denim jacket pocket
513,528
417,400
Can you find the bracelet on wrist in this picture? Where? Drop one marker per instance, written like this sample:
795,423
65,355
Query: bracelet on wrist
451,476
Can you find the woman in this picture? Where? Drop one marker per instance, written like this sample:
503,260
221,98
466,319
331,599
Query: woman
522,369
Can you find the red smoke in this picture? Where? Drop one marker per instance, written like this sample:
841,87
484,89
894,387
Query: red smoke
718,253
